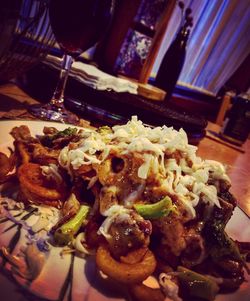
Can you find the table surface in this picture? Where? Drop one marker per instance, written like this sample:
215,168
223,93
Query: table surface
14,103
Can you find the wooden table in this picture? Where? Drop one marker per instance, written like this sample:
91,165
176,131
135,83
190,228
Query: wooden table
14,103
237,162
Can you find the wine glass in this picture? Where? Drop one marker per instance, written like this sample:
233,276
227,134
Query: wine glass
77,26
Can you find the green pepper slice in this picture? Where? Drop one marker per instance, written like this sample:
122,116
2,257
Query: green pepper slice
65,234
197,285
156,210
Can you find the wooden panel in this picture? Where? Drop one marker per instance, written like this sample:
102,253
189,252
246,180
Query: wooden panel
107,52
160,31
238,164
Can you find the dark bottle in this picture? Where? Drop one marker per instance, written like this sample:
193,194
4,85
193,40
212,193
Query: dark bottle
172,63
236,126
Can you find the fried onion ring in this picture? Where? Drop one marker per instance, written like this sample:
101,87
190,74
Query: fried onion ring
123,272
141,292
37,189
134,256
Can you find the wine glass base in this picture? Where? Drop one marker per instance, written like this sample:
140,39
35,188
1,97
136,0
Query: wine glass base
53,113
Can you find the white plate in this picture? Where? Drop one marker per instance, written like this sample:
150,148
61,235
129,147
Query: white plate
87,285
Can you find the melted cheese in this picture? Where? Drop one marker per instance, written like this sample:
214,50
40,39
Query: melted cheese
187,178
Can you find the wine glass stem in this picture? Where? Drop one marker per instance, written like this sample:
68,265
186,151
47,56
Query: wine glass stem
58,96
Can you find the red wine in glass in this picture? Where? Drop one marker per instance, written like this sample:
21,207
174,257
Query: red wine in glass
77,26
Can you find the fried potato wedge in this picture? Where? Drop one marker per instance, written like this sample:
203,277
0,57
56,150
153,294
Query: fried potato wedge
5,165
22,133
38,189
22,152
44,155
124,272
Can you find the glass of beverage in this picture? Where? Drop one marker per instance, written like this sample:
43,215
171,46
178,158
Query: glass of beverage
77,26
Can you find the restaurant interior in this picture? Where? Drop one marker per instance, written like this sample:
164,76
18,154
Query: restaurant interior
211,68
126,71
181,64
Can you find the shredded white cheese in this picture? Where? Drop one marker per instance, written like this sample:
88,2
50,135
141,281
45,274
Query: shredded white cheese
166,156
51,172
